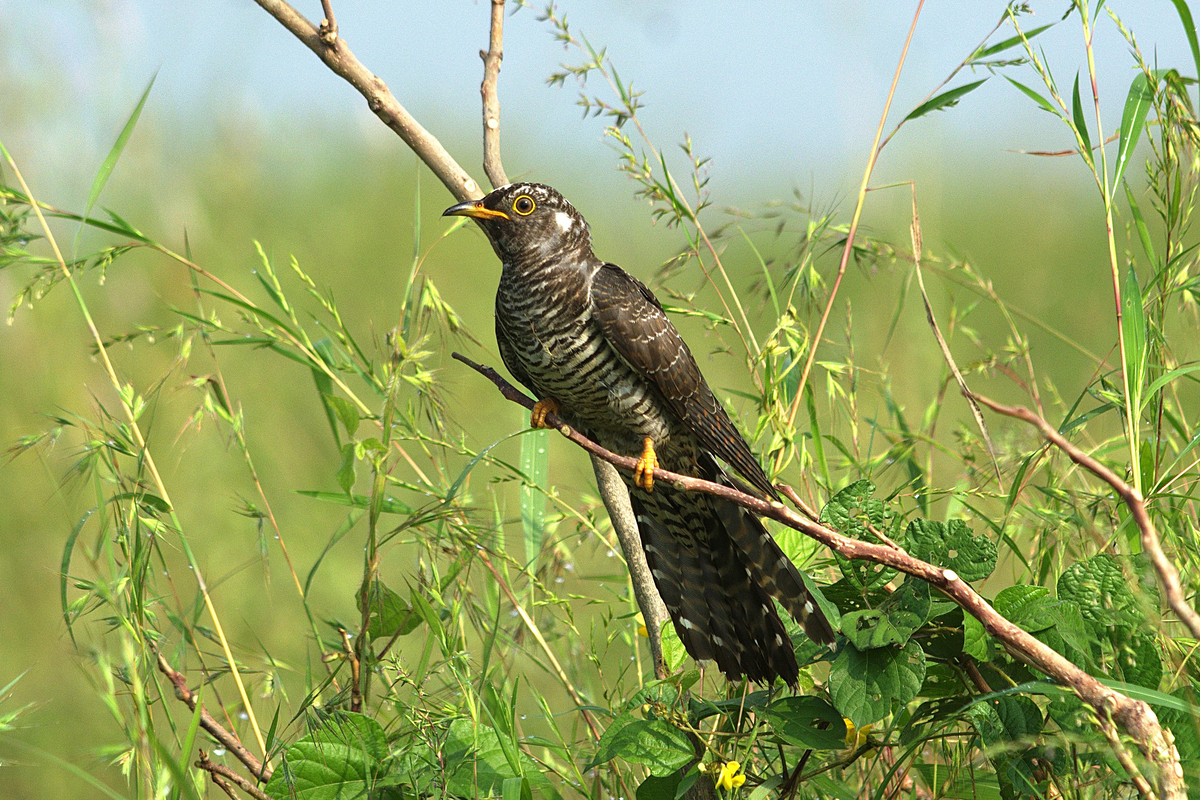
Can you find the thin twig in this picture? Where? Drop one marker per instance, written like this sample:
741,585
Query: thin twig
1168,576
225,772
1135,716
355,687
328,29
227,739
491,100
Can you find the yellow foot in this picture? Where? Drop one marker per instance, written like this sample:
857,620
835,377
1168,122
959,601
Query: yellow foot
540,409
643,473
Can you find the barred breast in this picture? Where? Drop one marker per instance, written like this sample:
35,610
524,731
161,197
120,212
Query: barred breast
549,340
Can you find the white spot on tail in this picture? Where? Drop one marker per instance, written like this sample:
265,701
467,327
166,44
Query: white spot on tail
564,221
808,607
687,623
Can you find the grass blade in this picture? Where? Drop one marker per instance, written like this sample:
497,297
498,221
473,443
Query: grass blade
1133,119
535,466
944,100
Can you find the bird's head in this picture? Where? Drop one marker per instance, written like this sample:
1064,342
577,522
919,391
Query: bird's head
527,223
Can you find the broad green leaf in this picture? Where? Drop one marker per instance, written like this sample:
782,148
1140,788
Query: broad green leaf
672,647
389,614
850,512
1080,121
1101,590
975,639
808,722
345,411
475,764
894,622
345,473
535,466
866,683
1011,601
659,746
670,787
952,545
1133,119
342,758
1138,658
944,100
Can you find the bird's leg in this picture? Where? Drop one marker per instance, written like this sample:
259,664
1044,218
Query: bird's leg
643,473
541,408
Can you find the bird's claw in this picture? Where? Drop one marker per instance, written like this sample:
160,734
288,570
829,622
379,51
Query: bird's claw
541,409
643,473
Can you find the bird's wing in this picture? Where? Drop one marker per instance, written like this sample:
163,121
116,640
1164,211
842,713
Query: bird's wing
634,323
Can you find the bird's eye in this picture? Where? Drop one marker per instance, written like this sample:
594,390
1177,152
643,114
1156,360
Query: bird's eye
523,205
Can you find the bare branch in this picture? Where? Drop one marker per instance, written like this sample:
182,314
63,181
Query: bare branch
227,739
1135,716
1168,576
221,773
338,57
491,100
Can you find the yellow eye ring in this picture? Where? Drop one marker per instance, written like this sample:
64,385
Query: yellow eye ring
524,205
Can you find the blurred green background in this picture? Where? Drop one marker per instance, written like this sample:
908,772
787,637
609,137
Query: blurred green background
247,137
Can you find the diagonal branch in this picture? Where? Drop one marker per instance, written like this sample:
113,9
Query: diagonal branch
1168,576
1135,716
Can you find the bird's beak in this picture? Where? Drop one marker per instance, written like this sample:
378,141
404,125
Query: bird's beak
473,208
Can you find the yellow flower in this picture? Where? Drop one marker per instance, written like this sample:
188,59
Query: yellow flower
729,776
641,629
856,737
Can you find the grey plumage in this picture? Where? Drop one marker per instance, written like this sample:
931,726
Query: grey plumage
595,340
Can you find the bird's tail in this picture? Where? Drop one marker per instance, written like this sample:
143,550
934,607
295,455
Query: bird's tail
717,569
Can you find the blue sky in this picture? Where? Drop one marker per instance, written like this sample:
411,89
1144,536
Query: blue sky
789,92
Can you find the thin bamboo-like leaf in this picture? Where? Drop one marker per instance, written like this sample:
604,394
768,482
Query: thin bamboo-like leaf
1140,223
1034,96
535,462
1133,119
1134,328
1080,122
1163,380
1009,43
944,100
110,161
1189,30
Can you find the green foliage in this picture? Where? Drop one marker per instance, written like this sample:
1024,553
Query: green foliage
505,662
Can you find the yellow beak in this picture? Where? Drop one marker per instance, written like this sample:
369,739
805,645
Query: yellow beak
474,208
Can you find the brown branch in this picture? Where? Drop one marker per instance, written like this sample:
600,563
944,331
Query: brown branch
328,29
355,687
225,786
227,739
1134,716
227,774
1168,576
491,100
339,58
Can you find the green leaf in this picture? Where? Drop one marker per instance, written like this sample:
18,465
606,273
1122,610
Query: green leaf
389,614
342,758
1189,30
389,506
1134,329
1138,658
1037,98
345,411
1163,380
850,512
952,545
660,747
671,787
944,100
1100,588
1133,119
894,622
476,766
672,647
866,683
1140,223
535,466
975,639
1010,602
808,722
1008,44
345,473
110,161
1080,122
